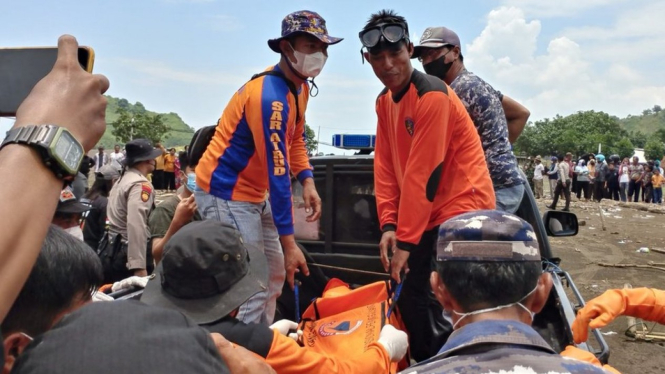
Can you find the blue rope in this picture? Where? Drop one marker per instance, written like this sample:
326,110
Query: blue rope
396,296
296,290
552,266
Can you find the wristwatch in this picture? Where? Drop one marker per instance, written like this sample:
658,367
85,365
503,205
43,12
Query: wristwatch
61,152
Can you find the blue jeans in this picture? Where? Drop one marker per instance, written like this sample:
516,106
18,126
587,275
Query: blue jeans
657,195
623,187
509,199
256,226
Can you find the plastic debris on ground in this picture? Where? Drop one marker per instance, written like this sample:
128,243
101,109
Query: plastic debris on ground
643,250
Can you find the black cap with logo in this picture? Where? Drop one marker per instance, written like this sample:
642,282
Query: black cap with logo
436,37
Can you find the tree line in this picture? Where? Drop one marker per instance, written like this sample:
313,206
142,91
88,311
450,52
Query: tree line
134,123
580,133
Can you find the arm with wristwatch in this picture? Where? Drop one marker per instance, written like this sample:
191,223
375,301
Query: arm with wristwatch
61,119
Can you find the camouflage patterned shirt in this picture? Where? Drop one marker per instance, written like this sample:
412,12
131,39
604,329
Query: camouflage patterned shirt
499,346
483,103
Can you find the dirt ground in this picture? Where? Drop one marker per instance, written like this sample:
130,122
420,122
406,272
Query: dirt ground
628,227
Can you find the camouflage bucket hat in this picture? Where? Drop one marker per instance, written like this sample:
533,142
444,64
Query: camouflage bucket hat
304,21
487,235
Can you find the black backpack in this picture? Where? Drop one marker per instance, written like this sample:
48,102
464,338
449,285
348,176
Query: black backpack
203,136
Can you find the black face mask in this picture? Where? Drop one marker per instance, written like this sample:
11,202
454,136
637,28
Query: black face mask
438,67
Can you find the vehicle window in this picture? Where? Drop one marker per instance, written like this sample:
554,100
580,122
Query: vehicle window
355,218
306,230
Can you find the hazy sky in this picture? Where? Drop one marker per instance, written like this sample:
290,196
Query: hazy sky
189,56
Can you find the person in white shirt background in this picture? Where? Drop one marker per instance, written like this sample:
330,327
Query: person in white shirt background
538,171
624,178
117,157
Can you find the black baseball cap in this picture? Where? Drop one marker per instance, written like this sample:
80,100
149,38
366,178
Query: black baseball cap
122,336
141,150
436,37
69,204
206,272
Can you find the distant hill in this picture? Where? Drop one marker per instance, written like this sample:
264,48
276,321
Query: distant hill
179,135
648,122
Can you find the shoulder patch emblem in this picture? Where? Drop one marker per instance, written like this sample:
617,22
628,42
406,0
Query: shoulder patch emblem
67,194
146,190
408,122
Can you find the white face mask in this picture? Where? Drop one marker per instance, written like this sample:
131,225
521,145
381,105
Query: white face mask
308,65
75,232
518,303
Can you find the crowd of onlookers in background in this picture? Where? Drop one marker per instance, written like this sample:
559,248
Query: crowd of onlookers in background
592,177
165,177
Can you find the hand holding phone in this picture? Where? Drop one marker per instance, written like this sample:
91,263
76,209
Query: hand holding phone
69,97
22,68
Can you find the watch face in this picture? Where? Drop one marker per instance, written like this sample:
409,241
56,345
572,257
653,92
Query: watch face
69,151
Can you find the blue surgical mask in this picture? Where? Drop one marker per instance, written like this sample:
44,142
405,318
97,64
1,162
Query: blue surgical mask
191,182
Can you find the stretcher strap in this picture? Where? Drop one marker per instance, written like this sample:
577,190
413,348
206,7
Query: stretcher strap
350,270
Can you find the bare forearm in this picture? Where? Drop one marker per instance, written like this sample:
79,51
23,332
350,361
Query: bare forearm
287,241
516,116
515,128
29,204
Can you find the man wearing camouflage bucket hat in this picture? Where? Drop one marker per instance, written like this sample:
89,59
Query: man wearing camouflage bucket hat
258,145
489,277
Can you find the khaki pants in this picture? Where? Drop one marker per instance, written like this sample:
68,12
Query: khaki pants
552,186
538,188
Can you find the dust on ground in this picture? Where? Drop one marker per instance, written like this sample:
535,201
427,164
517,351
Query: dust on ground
628,227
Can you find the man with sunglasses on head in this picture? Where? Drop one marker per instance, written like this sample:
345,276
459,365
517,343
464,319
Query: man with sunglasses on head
428,166
498,118
257,146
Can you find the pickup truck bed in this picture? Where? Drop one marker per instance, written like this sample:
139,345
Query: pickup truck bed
347,235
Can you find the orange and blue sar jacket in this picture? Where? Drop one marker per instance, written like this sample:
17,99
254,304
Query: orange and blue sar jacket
256,147
429,164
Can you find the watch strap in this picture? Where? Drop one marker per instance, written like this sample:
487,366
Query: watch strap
38,135
19,135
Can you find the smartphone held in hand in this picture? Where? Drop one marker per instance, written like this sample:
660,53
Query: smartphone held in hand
22,68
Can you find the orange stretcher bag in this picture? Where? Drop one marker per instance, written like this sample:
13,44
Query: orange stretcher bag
343,322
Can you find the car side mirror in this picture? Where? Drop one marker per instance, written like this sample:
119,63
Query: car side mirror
559,223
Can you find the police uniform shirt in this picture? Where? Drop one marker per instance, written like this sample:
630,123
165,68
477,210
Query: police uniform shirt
130,202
